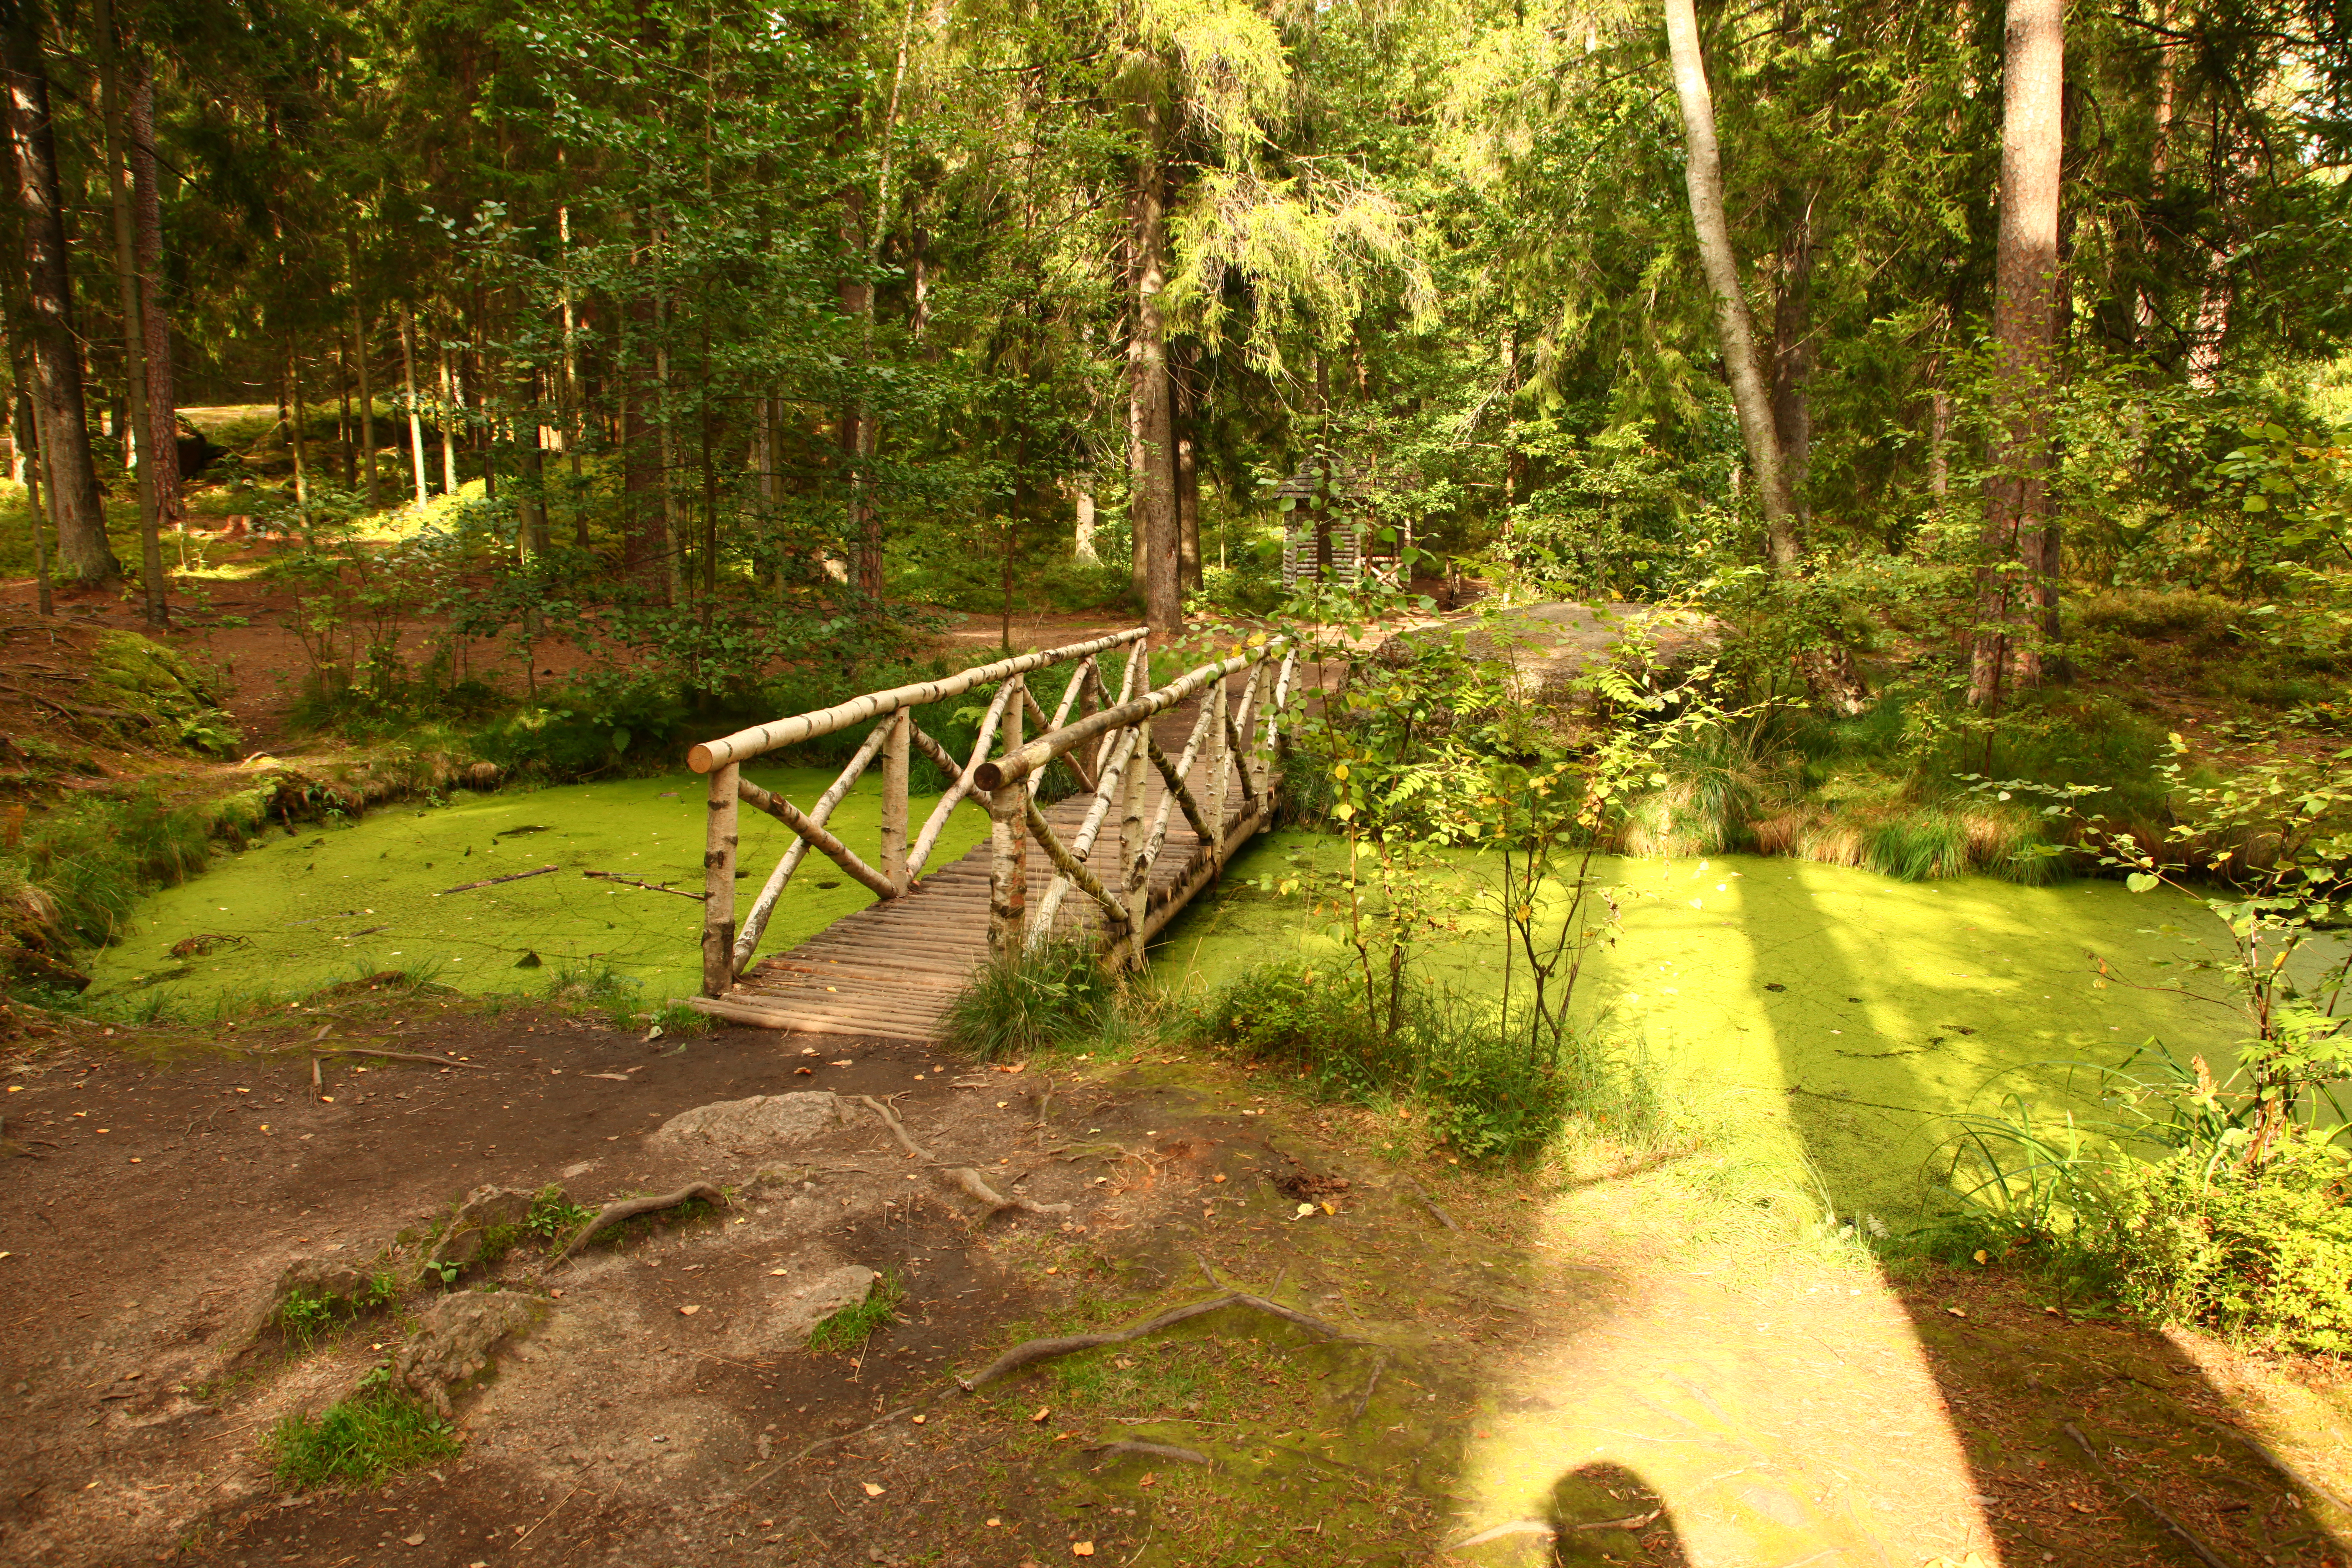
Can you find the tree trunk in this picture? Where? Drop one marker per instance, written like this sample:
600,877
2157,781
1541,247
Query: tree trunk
1793,357
448,417
147,224
408,385
664,413
26,438
1152,451
1734,329
531,469
367,404
1188,474
296,418
1083,542
138,435
83,554
2024,325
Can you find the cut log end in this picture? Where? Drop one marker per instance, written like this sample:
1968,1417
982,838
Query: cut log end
700,760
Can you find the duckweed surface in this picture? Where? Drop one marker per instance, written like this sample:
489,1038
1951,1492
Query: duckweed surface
326,905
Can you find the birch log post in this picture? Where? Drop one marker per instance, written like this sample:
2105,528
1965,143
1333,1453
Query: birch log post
894,797
1008,844
719,884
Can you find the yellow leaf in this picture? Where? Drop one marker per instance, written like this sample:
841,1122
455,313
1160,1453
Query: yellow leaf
1082,1549
1043,1411
871,1490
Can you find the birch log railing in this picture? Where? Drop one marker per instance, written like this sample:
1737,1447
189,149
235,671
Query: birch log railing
1178,822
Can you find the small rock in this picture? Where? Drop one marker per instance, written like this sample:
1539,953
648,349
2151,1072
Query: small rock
806,1306
455,1338
744,1126
486,1212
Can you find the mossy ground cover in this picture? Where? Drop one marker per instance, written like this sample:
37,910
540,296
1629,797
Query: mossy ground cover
327,904
1811,1012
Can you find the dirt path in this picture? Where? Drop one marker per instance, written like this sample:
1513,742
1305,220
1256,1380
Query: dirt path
1563,1375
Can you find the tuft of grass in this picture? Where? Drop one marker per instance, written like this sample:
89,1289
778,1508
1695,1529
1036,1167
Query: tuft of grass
374,1435
1052,996
853,1326
1494,1087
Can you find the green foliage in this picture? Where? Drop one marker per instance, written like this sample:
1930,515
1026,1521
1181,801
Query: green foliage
850,1328
374,1435
81,867
303,1315
553,1216
2259,1252
1052,997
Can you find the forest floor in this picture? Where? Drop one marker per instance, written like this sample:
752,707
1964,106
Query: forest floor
1497,1369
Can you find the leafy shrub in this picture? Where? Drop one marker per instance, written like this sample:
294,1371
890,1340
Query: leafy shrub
1490,1092
2260,1252
376,1433
1051,997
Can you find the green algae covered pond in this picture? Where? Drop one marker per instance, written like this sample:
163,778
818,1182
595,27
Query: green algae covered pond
337,903
1820,1011
1813,1010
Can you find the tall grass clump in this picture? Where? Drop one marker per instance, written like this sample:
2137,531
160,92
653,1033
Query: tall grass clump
376,1434
75,873
1052,996
1494,1087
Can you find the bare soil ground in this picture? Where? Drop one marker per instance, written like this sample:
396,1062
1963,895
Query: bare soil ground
1559,1379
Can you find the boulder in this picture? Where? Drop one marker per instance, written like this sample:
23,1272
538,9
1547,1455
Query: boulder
809,1302
322,1278
478,1222
454,1339
748,1127
1555,649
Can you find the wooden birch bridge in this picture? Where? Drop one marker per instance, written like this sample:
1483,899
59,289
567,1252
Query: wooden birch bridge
1114,861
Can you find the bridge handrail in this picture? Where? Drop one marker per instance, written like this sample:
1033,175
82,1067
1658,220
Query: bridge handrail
745,745
1017,766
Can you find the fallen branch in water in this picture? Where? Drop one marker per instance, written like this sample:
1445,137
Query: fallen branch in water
494,882
613,1214
634,882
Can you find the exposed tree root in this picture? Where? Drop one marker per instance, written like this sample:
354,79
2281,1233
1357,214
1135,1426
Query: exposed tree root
1516,1527
333,1050
613,1214
963,1178
1422,1192
1153,1451
1030,1351
2204,1553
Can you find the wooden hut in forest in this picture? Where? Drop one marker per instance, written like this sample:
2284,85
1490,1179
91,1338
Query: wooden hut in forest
1329,529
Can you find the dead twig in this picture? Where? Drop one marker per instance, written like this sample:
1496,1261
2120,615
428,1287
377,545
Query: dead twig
1422,1194
613,1214
372,1051
963,1178
1030,1351
543,1517
1152,1451
2204,1553
1371,1382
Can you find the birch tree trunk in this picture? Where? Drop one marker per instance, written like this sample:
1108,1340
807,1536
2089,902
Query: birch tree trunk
1734,328
408,385
83,554
2023,327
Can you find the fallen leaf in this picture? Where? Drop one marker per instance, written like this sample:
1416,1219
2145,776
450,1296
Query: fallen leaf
1217,1178
1958,1311
848,1061
1082,1549
1304,1210
871,1490
411,1541
991,1524
616,1077
688,1312
1983,1256
779,1271
804,1072
1043,1411
1148,1480
920,1419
